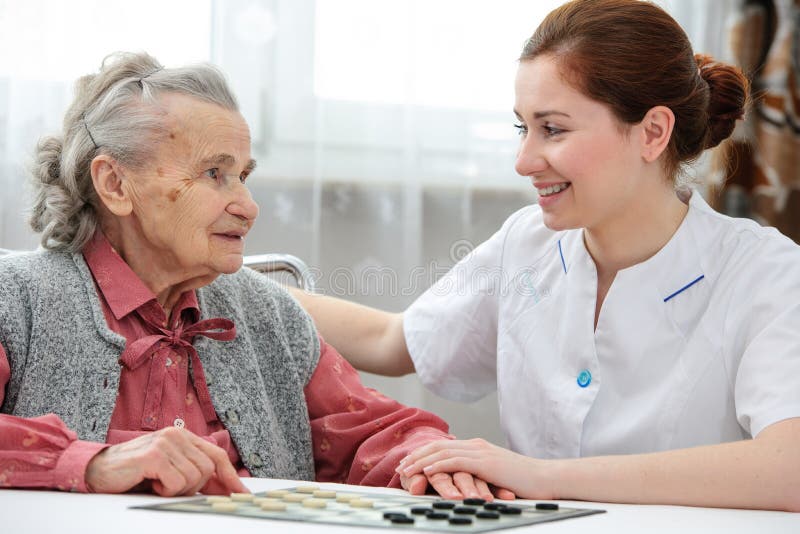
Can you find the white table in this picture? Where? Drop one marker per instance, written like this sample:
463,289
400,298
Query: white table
23,512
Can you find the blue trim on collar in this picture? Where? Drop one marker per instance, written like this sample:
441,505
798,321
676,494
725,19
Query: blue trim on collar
563,264
687,286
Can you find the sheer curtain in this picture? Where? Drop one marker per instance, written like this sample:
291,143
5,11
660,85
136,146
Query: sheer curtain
45,45
382,128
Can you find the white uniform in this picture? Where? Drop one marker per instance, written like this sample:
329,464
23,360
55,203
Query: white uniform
700,344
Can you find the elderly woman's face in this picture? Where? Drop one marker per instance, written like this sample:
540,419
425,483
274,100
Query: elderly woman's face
191,206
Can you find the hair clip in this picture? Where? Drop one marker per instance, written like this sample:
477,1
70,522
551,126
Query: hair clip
139,81
86,125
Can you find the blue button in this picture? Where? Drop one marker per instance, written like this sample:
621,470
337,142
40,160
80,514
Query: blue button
584,378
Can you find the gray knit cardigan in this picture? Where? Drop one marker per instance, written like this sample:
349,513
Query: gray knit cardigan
64,358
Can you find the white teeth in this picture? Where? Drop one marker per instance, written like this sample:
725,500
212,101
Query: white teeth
547,191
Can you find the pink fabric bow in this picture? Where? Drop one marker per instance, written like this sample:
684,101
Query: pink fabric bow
138,352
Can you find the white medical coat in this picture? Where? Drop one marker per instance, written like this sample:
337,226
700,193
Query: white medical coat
700,344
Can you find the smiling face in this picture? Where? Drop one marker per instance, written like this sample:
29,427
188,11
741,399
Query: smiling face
190,209
583,162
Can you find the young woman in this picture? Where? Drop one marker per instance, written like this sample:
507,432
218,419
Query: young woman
642,345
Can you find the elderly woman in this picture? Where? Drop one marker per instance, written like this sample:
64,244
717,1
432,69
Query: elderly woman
135,352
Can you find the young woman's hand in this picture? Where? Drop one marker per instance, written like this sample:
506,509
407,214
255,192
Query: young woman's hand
482,463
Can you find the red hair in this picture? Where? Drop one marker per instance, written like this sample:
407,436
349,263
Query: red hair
632,56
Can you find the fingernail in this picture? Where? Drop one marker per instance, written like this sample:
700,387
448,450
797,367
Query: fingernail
427,468
403,460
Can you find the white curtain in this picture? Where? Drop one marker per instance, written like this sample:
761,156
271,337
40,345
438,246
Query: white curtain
382,128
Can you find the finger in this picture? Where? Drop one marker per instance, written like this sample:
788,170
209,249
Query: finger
503,493
202,457
443,484
199,485
192,476
204,465
225,472
418,484
412,467
428,449
454,465
215,487
168,480
419,465
483,490
466,485
415,485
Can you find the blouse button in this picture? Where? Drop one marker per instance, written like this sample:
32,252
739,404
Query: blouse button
584,378
178,422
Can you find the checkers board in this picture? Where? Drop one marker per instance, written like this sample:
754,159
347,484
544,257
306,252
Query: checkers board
353,508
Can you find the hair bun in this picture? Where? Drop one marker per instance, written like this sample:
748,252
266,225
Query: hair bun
46,181
728,89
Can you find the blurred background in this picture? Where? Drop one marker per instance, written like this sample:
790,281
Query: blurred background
383,129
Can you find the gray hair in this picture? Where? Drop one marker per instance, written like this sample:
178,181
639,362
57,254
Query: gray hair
114,112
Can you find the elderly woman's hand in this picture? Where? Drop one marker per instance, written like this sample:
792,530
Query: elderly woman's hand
175,462
481,461
456,485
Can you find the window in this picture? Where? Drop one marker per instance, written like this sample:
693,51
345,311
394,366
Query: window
57,41
396,90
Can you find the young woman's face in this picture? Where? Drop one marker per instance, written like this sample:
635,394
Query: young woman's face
579,157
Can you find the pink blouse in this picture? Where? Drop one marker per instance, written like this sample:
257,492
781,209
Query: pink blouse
359,435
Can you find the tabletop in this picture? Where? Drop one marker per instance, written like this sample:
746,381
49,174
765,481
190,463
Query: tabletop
29,511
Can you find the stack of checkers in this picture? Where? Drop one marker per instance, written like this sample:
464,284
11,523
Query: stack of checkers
316,505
